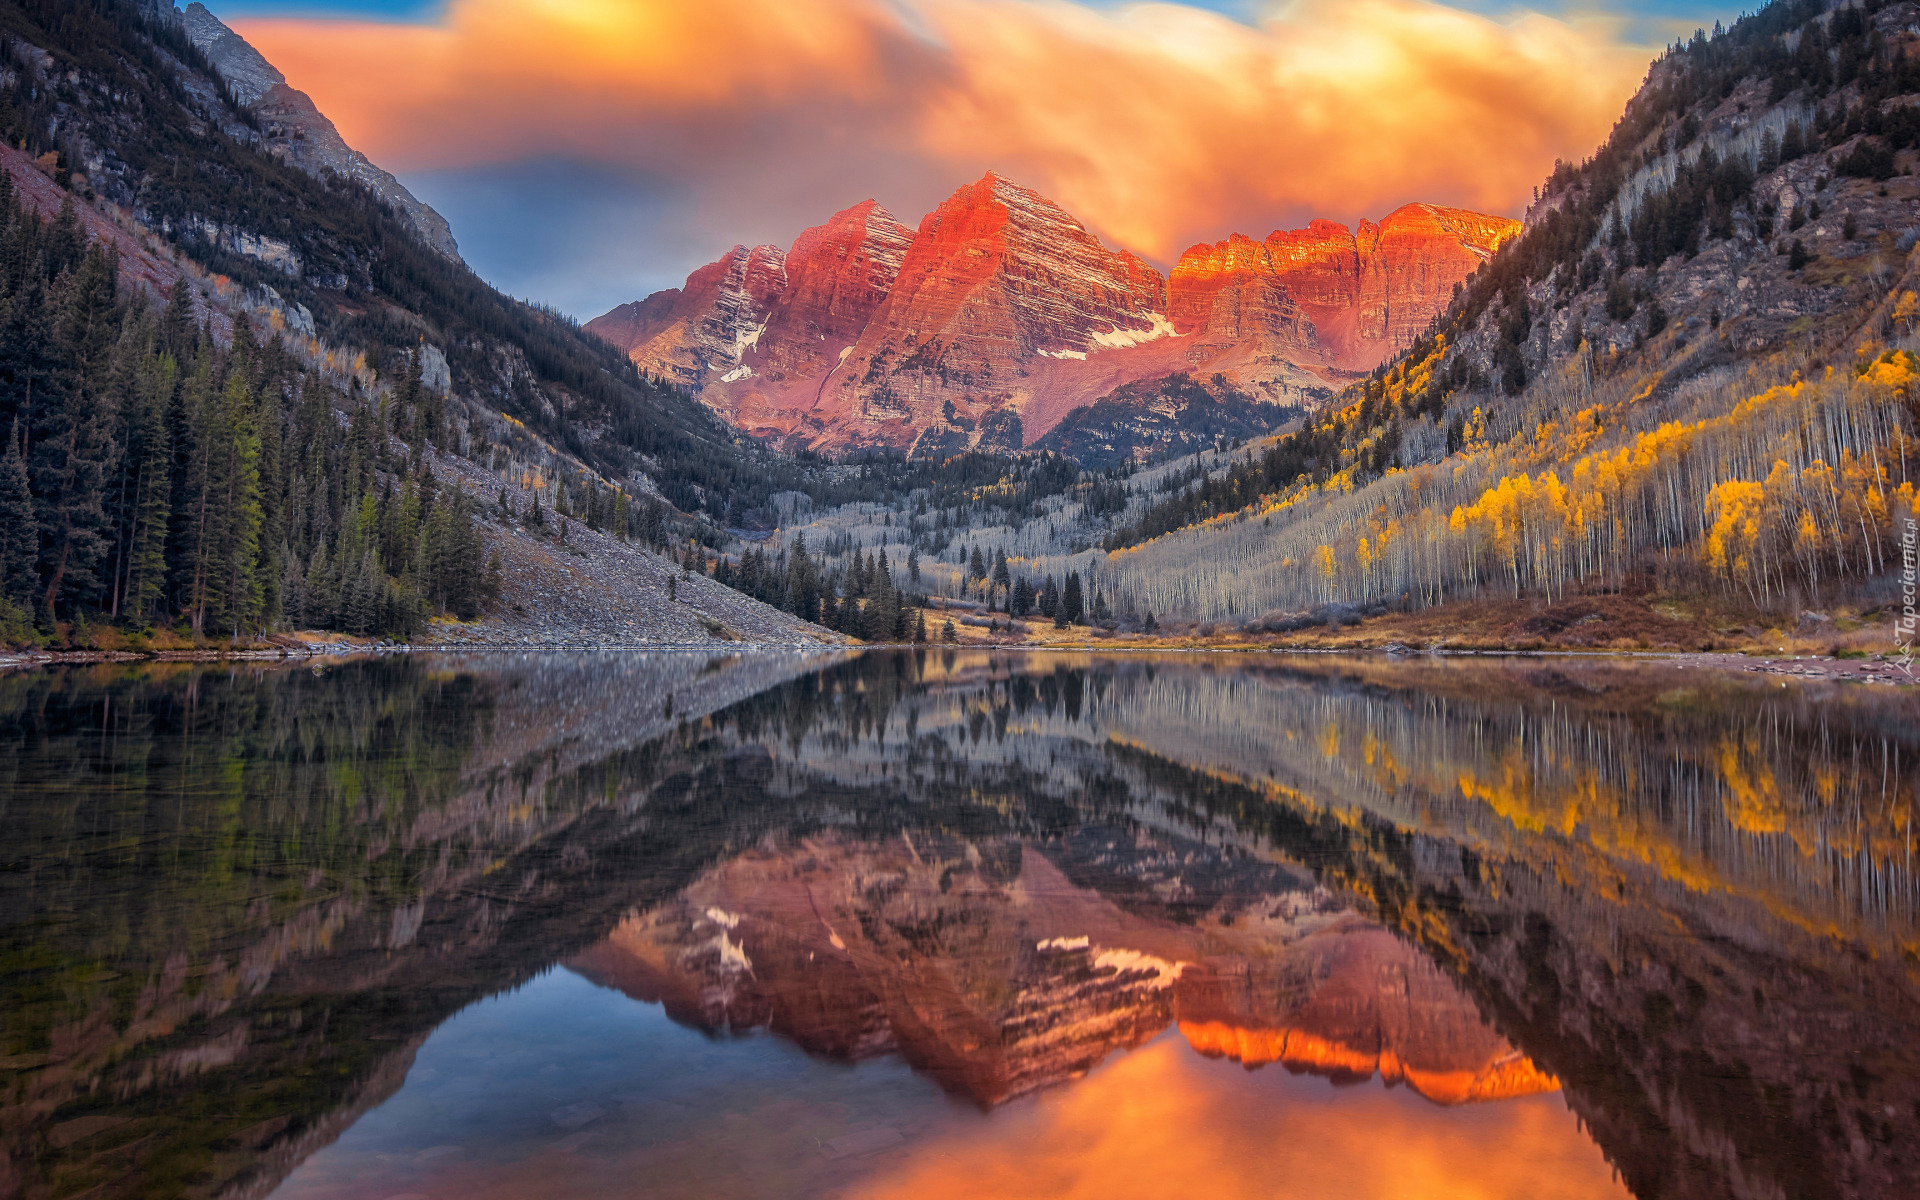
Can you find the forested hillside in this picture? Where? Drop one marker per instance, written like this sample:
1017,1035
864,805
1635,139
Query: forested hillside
225,381
149,472
134,116
1695,372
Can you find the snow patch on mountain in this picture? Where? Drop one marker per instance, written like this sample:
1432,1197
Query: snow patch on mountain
1115,339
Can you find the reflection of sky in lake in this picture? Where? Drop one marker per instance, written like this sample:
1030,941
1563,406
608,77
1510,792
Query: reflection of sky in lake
989,915
563,1089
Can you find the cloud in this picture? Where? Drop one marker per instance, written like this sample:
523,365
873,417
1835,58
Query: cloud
1156,124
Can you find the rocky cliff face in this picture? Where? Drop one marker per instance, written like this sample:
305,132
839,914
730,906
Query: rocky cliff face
700,332
296,130
838,275
764,330
1347,299
1002,313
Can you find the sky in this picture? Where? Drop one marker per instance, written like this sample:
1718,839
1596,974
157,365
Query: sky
590,152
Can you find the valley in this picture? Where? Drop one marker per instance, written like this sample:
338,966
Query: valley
1685,383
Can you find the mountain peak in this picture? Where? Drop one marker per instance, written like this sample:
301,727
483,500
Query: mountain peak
1001,312
246,70
297,131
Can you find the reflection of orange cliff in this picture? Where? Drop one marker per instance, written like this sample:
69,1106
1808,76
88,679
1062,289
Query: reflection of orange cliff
985,967
1355,1004
1298,1050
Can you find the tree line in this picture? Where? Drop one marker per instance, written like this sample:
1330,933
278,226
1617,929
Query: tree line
153,477
1777,494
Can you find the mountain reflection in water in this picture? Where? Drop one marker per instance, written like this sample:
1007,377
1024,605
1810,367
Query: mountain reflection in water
955,923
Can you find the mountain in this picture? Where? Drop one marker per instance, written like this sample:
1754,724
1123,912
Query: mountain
249,387
1694,373
296,131
1346,298
1002,313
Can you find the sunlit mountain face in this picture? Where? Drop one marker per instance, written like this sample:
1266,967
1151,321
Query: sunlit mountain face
1001,316
956,924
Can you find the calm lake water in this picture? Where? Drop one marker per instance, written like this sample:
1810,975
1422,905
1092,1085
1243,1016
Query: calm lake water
956,924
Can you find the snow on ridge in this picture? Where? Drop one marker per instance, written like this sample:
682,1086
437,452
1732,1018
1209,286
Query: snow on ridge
745,339
1115,339
1076,354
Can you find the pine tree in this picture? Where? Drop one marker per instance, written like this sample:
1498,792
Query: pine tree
920,627
269,438
410,420
19,533
292,591
1020,601
320,597
177,332
913,567
71,452
803,584
152,490
363,599
231,592
1072,606
192,503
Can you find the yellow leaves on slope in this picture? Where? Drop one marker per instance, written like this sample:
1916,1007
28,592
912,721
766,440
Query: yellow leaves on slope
1906,310
1735,509
1896,370
1535,530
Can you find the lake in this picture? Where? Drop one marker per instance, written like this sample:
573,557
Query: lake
956,923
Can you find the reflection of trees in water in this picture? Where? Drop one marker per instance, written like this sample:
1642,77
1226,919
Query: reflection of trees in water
176,804
174,836
1691,898
1801,800
243,892
1637,882
1728,998
1708,1058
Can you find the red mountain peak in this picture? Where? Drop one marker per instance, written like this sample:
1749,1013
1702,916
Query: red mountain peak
1002,311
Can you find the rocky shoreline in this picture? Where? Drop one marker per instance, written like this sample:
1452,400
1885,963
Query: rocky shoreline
1884,671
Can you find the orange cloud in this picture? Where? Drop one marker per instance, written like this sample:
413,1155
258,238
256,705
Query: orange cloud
1157,124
